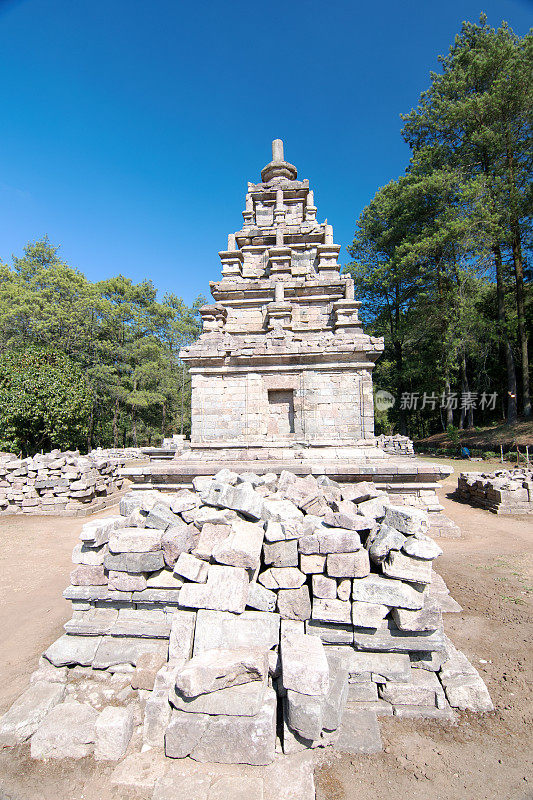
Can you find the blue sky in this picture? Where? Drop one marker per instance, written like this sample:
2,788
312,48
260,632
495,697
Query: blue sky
130,128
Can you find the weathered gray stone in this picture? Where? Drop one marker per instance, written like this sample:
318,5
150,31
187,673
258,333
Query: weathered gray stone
283,578
330,540
134,540
389,638
144,674
164,579
468,692
69,650
139,771
385,540
261,598
124,582
184,733
177,539
374,508
96,532
210,536
369,615
348,565
84,575
421,547
366,691
67,731
344,589
422,689
91,556
389,666
304,665
281,554
158,709
428,618
304,714
335,700
192,568
181,634
114,728
294,603
281,511
242,548
226,590
242,498
218,669
376,589
161,517
134,562
184,500
312,564
28,711
359,732
114,650
324,588
245,699
254,629
330,633
332,611
207,514
240,740
398,565
405,519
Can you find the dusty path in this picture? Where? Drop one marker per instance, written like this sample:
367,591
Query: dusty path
486,757
35,564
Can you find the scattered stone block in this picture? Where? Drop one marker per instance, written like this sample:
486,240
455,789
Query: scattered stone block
421,547
383,591
134,540
69,650
252,629
124,582
335,700
398,565
28,711
67,731
428,618
192,568
359,733
312,564
348,565
211,535
324,588
179,538
294,603
134,562
242,548
330,633
407,520
304,665
332,611
304,714
390,639
281,554
148,665
261,598
114,728
85,575
161,517
218,669
226,590
181,635
368,615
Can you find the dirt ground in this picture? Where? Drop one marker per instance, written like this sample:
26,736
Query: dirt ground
482,757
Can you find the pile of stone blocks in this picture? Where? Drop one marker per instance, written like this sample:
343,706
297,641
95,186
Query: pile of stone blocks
64,483
396,444
248,617
505,491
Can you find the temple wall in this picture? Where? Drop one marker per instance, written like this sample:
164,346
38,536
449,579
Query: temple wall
302,405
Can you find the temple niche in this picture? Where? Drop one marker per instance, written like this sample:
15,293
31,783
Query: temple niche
282,362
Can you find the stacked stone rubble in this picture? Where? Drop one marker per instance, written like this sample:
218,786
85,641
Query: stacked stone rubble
505,491
252,613
59,482
396,445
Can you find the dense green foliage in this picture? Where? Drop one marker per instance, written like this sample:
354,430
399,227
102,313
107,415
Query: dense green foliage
440,255
45,401
115,343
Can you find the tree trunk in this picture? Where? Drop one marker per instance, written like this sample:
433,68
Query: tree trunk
115,422
508,353
449,409
163,418
398,355
521,314
90,430
134,426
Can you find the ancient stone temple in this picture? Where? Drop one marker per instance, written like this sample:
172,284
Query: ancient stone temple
282,363
282,372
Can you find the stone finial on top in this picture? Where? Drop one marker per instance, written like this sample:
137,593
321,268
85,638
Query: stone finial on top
278,167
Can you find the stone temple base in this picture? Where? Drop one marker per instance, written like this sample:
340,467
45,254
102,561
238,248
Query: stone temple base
414,480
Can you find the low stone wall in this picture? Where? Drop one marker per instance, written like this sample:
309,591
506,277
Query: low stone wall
505,491
67,484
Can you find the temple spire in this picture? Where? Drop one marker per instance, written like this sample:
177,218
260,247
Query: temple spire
278,167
